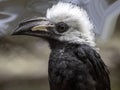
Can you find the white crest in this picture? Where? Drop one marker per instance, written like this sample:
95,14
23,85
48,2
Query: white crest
75,17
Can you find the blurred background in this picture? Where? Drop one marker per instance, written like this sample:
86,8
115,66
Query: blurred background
24,59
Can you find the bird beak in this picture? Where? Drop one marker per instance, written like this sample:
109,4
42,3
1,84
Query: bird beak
34,27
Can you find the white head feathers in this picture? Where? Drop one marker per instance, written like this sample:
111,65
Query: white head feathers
75,17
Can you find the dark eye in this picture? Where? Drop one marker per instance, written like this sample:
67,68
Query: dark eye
62,27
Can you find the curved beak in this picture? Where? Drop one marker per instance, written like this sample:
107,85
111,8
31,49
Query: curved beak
34,27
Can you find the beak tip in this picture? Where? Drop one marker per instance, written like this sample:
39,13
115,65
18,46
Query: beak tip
16,32
13,34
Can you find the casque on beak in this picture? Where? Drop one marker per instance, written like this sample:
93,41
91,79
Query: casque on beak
34,27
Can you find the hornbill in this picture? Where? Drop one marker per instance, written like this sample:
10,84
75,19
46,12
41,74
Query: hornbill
74,62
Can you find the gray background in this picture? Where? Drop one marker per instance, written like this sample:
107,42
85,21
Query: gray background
24,59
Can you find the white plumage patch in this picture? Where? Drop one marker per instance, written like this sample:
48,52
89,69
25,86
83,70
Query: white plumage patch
77,18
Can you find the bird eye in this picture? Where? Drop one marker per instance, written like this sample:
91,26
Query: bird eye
61,27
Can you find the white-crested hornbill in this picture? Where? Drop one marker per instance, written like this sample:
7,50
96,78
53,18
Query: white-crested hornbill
74,62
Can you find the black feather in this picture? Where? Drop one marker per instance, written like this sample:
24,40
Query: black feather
76,67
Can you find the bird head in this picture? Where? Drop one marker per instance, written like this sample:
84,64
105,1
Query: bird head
64,22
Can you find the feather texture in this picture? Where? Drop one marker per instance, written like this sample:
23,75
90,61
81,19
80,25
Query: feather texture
74,16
